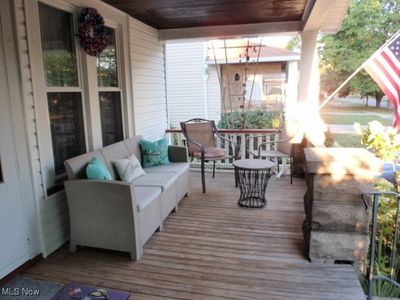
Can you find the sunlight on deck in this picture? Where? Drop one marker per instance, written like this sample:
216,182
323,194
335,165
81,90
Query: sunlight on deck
212,249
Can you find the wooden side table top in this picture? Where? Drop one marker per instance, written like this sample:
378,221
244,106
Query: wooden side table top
253,164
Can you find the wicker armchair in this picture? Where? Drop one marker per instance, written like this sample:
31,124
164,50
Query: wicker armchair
280,148
200,136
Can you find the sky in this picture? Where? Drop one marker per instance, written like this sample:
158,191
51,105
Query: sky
275,40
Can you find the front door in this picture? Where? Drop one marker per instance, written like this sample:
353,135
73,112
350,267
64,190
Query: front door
14,247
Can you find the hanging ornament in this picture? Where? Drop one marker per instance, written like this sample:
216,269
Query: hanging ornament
92,36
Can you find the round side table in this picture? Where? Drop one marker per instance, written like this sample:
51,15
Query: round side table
253,175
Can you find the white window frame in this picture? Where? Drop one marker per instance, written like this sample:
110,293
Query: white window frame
117,32
86,66
40,89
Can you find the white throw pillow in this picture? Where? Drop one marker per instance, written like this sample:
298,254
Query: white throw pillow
128,168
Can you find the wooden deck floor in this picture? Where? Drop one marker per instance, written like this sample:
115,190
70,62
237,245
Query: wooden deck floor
212,249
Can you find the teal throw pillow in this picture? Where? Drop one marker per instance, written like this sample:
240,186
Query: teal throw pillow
154,153
96,170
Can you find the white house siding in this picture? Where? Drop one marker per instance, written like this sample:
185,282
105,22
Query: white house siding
186,91
148,80
213,94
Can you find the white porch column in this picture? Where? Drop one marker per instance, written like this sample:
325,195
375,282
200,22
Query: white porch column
309,69
291,86
307,110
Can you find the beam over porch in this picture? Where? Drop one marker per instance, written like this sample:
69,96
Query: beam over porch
230,31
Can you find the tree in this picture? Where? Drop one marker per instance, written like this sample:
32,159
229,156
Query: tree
368,25
294,44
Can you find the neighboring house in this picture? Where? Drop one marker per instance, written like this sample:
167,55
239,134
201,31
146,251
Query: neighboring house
193,84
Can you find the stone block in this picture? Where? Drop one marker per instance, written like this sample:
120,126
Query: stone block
337,221
340,161
340,218
331,246
347,191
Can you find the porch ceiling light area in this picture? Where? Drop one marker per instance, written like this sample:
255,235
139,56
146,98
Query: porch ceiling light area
172,14
207,19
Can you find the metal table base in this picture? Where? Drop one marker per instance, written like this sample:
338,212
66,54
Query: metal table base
252,181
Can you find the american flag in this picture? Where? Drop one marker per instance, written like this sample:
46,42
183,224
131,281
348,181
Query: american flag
384,68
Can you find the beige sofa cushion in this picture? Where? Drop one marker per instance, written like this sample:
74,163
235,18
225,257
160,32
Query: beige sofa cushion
162,180
133,147
113,152
177,168
145,195
76,166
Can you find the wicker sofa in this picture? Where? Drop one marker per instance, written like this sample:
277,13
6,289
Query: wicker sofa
115,215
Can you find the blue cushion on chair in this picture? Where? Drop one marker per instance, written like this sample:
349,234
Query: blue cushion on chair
96,170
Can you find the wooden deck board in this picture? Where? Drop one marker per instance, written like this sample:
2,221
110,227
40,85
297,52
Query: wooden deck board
212,249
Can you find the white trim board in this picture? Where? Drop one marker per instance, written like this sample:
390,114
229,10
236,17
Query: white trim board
18,115
262,59
243,30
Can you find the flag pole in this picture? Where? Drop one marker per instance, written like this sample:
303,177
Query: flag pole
329,98
342,85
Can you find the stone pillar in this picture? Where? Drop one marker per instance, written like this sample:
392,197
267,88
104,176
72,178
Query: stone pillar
337,221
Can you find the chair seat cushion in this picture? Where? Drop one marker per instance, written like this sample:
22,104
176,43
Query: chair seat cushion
179,168
145,195
162,180
268,153
211,152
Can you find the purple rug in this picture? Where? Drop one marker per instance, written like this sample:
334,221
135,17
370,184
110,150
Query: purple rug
76,291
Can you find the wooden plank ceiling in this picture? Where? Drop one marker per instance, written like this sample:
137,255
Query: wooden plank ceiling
172,14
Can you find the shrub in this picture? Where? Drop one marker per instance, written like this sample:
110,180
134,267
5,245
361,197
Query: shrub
385,143
255,120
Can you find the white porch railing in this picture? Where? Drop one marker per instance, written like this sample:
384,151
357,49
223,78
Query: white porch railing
237,135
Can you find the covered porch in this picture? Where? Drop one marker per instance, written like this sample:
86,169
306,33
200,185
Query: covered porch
209,248
212,249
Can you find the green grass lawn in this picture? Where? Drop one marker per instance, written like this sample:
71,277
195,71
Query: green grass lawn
348,140
350,119
355,108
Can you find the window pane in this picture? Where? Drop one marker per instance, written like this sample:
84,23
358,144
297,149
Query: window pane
67,130
107,72
111,121
59,58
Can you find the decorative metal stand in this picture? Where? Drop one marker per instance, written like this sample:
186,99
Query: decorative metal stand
253,175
